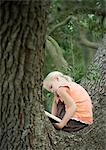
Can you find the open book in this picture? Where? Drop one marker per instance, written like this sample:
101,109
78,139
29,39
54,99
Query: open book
52,117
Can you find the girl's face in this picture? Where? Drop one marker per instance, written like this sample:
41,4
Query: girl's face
52,85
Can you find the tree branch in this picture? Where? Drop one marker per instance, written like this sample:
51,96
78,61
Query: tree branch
64,22
83,38
85,41
56,53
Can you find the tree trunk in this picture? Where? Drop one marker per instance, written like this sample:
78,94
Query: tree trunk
23,125
23,26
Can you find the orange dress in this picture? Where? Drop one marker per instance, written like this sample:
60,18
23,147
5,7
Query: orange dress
83,102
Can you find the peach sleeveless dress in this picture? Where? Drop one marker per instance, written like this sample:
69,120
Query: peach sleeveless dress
83,102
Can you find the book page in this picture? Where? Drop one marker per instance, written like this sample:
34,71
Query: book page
52,116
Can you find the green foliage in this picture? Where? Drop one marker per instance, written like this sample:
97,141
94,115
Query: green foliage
48,98
67,36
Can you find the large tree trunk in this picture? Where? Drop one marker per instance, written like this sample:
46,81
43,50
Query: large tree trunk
23,28
23,125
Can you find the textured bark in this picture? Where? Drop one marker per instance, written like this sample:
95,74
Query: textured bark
22,36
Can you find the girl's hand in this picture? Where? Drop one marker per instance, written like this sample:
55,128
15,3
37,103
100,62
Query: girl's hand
58,125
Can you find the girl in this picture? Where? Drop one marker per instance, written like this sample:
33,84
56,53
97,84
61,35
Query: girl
71,102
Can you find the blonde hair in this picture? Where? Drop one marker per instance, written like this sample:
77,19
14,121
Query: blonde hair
54,74
69,79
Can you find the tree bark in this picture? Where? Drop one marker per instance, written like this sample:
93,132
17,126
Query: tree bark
23,27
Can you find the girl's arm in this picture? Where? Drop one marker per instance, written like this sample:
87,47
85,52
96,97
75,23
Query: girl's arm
54,107
71,107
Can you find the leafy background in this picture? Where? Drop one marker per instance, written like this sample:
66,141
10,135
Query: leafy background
85,15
